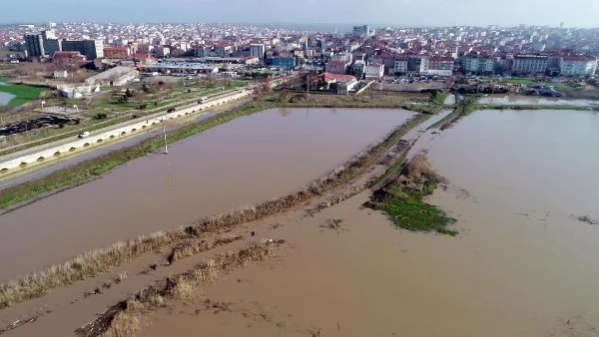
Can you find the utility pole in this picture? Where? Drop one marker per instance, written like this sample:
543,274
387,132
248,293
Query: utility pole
165,142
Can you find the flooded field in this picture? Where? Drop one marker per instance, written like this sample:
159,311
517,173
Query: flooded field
529,100
248,160
523,264
5,98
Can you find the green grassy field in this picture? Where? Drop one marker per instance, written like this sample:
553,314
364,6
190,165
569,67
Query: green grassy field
520,81
22,93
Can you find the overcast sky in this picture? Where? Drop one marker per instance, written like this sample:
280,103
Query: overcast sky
582,13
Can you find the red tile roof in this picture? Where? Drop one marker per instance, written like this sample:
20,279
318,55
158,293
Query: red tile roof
577,58
328,77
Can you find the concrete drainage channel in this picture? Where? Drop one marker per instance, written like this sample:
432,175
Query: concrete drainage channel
30,160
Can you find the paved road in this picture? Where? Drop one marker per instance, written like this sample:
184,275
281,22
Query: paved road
40,172
108,128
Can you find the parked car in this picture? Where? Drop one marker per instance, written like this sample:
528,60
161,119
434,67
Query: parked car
171,110
84,134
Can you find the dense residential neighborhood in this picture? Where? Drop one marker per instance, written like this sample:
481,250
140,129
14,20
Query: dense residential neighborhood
363,52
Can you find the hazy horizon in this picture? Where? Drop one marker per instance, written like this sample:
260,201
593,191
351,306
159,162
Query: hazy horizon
574,13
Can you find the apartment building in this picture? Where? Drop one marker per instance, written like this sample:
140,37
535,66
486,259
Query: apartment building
342,57
576,65
337,67
529,64
418,64
374,71
400,66
440,66
478,65
258,50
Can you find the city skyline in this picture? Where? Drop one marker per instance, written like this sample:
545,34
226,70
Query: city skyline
574,13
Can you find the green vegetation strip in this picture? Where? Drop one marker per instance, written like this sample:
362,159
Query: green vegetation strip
402,198
96,167
409,211
22,93
439,98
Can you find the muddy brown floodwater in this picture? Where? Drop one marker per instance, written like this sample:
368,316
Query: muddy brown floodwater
522,265
248,160
531,100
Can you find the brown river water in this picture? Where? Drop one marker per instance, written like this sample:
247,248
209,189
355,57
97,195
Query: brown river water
246,161
522,265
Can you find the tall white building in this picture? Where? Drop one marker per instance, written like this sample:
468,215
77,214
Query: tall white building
529,64
257,50
344,57
578,66
364,30
374,71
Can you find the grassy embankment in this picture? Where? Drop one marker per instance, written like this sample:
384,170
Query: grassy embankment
402,199
91,263
424,103
538,107
462,108
23,93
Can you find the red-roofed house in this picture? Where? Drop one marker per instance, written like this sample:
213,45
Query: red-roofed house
117,53
332,78
337,67
68,58
143,58
344,83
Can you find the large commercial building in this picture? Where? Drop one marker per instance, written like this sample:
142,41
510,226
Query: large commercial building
529,64
35,45
287,62
91,49
364,30
51,43
257,50
578,66
47,44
